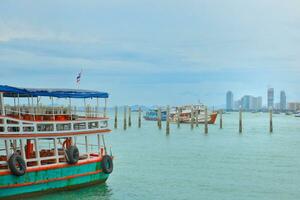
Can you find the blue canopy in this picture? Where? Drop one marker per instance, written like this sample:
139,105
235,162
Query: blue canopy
59,93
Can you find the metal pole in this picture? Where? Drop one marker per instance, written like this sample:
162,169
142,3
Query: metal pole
19,111
70,108
105,106
2,104
85,111
97,107
32,108
53,117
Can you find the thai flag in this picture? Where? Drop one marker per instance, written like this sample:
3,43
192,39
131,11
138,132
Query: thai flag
78,78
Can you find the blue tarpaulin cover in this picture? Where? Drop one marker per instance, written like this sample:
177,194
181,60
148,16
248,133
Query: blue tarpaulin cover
10,91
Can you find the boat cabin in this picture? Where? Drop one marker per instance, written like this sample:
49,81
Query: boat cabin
46,134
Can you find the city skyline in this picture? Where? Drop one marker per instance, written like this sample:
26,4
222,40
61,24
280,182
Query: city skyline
153,53
252,102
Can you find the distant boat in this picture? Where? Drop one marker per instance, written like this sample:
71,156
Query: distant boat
187,111
288,113
297,115
152,115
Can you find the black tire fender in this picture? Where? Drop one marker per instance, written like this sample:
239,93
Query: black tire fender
107,164
17,165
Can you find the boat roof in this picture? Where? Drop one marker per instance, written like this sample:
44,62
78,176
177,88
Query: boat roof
10,91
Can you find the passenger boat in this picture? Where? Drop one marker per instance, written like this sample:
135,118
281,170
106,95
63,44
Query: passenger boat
188,113
46,148
153,114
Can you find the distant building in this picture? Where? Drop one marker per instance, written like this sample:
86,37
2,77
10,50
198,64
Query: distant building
229,100
237,104
282,101
294,106
250,103
257,103
270,97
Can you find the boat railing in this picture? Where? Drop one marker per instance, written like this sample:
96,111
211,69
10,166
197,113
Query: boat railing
16,126
51,155
37,113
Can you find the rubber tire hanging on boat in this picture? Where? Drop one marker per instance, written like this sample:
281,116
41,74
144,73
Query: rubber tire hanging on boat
17,165
72,154
107,164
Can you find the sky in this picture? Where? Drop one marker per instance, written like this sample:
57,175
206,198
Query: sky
166,52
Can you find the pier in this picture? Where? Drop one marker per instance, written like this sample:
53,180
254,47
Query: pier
175,119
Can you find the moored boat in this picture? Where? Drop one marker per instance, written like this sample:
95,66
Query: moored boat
187,113
46,148
153,115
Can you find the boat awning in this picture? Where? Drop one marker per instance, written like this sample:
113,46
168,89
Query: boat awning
10,91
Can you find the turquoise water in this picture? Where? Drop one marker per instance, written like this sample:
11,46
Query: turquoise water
188,164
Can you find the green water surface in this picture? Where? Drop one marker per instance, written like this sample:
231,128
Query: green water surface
188,164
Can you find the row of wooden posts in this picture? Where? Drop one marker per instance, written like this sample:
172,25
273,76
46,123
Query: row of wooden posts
194,119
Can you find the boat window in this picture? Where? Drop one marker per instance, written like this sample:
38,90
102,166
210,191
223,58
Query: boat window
103,124
1,129
13,129
11,122
79,126
28,129
93,125
63,127
45,127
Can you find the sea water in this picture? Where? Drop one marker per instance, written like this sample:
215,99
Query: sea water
188,164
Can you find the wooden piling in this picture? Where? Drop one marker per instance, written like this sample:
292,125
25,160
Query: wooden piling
240,121
271,120
168,121
140,118
116,117
197,118
221,119
125,123
205,121
129,116
159,116
192,117
178,117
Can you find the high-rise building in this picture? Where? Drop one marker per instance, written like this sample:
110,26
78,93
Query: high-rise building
294,106
229,100
245,102
270,97
282,101
249,103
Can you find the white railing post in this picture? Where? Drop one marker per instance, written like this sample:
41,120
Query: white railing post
19,111
7,149
2,104
55,150
105,107
22,150
37,151
86,146
99,144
